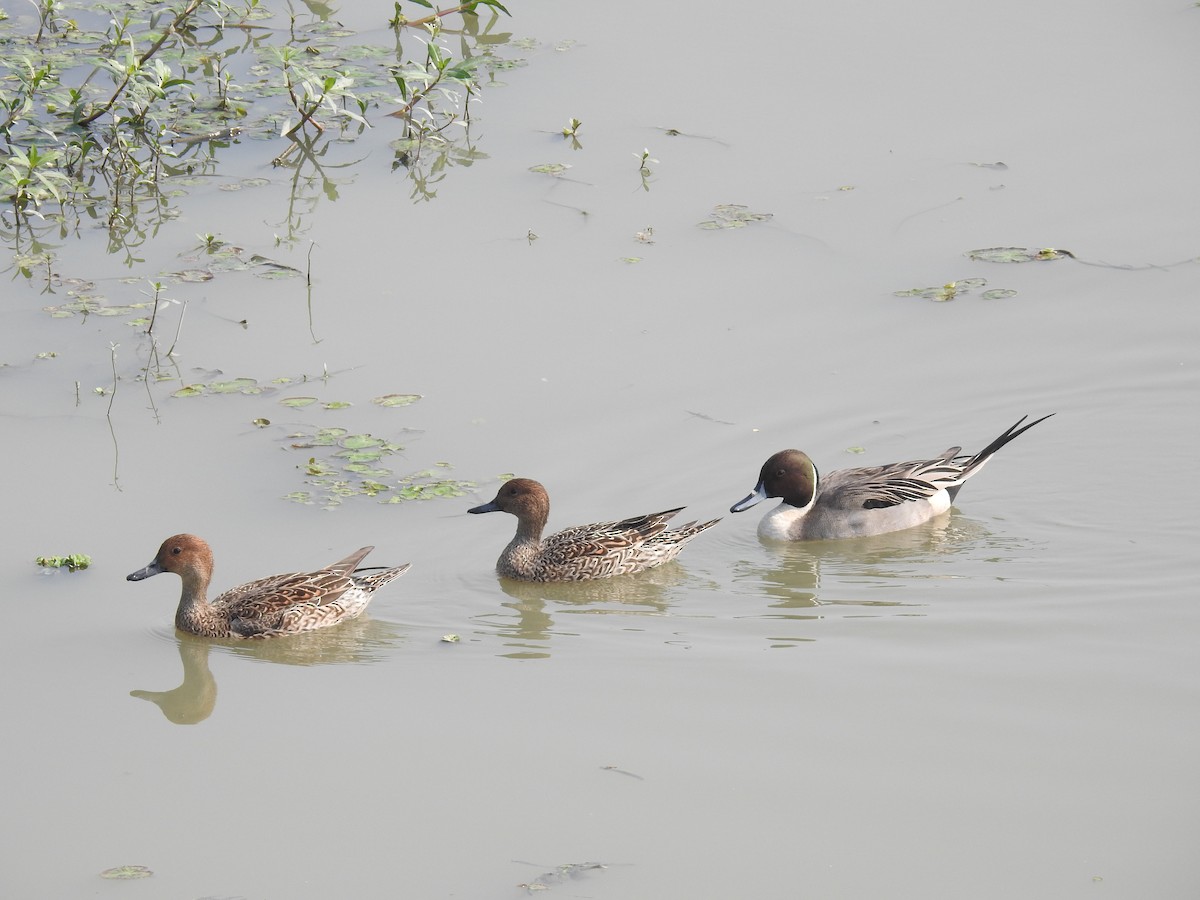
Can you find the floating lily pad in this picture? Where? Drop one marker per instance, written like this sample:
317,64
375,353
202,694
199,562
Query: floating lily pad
260,423
337,404
998,294
298,402
189,390
93,305
554,169
945,292
360,441
126,872
236,386
275,272
192,276
734,215
391,400
363,470
1018,254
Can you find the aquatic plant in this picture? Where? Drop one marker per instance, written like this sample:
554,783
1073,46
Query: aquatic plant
72,562
95,115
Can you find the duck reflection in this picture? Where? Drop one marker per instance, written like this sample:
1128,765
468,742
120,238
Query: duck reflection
357,641
193,701
790,574
527,622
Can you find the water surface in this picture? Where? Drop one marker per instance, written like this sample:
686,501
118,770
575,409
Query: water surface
1000,703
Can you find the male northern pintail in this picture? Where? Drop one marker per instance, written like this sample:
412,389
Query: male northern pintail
864,501
267,607
585,551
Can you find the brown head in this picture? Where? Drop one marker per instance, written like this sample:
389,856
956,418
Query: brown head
789,475
524,498
186,555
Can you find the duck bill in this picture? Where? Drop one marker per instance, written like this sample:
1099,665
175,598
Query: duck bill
759,494
153,569
486,507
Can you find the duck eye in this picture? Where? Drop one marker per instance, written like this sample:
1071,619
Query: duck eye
175,551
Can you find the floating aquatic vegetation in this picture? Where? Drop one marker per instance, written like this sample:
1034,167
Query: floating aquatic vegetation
734,215
126,872
93,305
72,563
246,386
354,465
217,256
1018,254
237,386
554,169
561,874
210,382
953,289
392,400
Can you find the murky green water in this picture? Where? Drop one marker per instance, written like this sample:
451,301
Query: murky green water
997,704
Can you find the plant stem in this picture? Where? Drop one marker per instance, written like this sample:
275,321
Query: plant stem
167,32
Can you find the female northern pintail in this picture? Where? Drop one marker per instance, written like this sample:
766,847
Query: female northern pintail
865,501
586,551
267,607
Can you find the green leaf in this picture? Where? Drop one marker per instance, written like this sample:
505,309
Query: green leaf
392,400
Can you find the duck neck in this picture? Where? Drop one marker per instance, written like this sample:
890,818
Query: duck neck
195,614
520,557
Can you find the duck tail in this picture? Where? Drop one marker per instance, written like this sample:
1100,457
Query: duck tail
980,459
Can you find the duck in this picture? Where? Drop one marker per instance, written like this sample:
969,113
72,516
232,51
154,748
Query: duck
863,501
585,552
267,607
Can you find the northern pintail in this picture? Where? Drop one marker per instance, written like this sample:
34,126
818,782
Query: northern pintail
585,551
267,607
863,501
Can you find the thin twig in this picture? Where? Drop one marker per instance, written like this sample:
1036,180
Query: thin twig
178,328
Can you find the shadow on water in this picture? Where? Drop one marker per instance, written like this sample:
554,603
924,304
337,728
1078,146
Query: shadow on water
359,641
527,622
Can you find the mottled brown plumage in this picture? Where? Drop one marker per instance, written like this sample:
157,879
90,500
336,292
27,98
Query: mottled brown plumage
585,551
268,607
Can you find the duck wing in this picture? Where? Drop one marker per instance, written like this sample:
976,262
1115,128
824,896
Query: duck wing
878,487
604,538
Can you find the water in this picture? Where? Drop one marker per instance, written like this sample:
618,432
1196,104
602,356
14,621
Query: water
998,704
